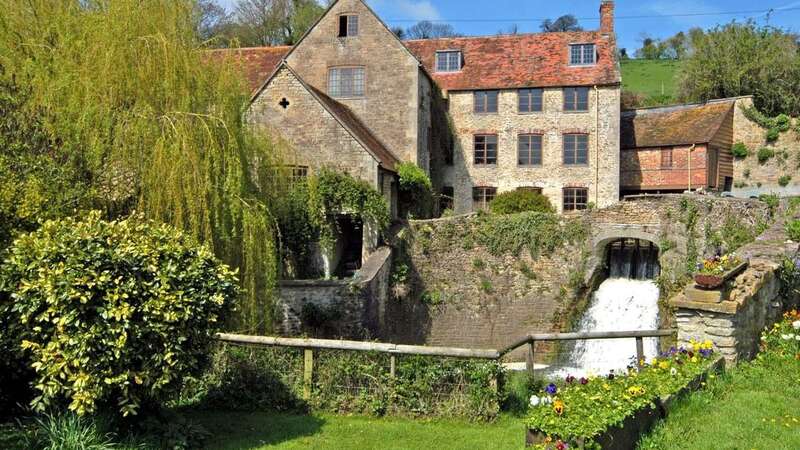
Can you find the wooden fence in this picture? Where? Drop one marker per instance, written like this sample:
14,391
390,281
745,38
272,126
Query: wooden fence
310,345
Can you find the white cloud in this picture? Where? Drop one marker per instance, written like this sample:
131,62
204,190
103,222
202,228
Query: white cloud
678,7
788,5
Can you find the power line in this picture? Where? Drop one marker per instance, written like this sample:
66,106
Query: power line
654,16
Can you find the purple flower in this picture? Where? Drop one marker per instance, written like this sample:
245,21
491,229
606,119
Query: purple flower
551,389
570,379
706,352
584,381
611,376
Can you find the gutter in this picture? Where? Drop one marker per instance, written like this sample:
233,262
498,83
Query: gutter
597,147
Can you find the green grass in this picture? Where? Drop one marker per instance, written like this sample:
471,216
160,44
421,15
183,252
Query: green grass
650,77
240,431
753,406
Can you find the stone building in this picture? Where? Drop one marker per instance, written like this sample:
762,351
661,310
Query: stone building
678,148
481,115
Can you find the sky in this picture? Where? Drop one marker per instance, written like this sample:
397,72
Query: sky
635,18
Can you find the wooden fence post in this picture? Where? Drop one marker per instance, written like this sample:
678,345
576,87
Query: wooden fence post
308,372
530,363
392,366
639,352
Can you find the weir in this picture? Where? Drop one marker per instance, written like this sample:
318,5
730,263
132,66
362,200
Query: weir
626,301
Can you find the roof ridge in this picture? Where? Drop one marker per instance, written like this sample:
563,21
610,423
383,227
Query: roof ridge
680,106
508,35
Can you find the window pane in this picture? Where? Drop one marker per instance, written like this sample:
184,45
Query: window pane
352,25
588,54
536,150
491,103
536,100
524,100
346,82
480,102
575,54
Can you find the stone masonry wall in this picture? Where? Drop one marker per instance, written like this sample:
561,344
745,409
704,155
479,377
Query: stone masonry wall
347,309
316,138
390,105
752,177
552,176
754,301
465,296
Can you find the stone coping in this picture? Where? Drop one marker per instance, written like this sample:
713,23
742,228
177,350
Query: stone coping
366,274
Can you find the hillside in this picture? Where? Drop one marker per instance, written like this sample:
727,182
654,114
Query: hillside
650,77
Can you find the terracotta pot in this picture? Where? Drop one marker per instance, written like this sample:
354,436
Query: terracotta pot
716,281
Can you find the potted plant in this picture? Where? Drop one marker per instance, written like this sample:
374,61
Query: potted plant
712,273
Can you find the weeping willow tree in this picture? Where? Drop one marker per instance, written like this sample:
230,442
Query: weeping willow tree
126,93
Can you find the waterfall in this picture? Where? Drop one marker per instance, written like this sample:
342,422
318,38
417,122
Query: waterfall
619,304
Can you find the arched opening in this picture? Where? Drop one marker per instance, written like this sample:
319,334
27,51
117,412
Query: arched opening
635,259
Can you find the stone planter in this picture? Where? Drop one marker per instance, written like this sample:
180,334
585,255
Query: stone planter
625,435
717,281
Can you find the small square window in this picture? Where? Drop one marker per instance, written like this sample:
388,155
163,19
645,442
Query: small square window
576,149
576,99
348,26
486,101
448,61
482,196
582,55
485,149
529,150
576,199
530,100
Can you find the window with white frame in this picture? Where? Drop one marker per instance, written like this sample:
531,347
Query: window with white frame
448,61
582,55
346,82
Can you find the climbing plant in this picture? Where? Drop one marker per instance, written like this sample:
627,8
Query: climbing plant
416,191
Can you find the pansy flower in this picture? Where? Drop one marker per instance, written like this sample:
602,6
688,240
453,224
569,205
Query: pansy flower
551,389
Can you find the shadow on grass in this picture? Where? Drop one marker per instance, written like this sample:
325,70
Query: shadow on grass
245,431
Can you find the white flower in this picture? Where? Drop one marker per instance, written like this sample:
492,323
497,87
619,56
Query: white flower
547,401
797,337
796,324
673,371
535,400
787,337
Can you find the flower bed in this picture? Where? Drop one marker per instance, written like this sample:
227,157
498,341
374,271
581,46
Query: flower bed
612,411
714,272
784,337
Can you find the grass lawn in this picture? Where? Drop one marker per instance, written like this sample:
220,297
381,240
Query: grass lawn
240,431
753,406
650,77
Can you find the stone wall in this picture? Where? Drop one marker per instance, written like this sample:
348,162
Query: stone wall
753,301
751,176
600,175
390,105
316,138
462,295
348,309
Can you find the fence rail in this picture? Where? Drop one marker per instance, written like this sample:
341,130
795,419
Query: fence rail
309,345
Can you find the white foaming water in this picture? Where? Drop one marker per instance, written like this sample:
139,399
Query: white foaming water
619,304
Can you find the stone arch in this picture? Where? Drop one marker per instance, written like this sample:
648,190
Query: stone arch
603,235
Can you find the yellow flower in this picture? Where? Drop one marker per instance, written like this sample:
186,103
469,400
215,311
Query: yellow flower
663,365
636,390
694,359
708,345
558,407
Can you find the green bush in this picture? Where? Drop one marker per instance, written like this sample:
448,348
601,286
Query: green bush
740,150
784,180
773,134
793,230
514,202
416,191
765,154
111,314
782,123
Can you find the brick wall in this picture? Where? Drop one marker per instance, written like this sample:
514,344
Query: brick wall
390,106
600,176
642,169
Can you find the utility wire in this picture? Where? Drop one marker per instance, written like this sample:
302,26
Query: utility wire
654,16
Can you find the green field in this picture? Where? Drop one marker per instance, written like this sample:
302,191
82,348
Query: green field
650,77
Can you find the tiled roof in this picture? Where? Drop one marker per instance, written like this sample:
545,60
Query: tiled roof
675,125
516,61
257,63
359,130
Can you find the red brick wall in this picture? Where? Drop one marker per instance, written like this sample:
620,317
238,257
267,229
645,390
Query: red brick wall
641,169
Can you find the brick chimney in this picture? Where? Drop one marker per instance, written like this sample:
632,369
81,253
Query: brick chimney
607,16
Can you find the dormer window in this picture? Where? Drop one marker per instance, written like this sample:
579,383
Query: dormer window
582,55
448,61
348,26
